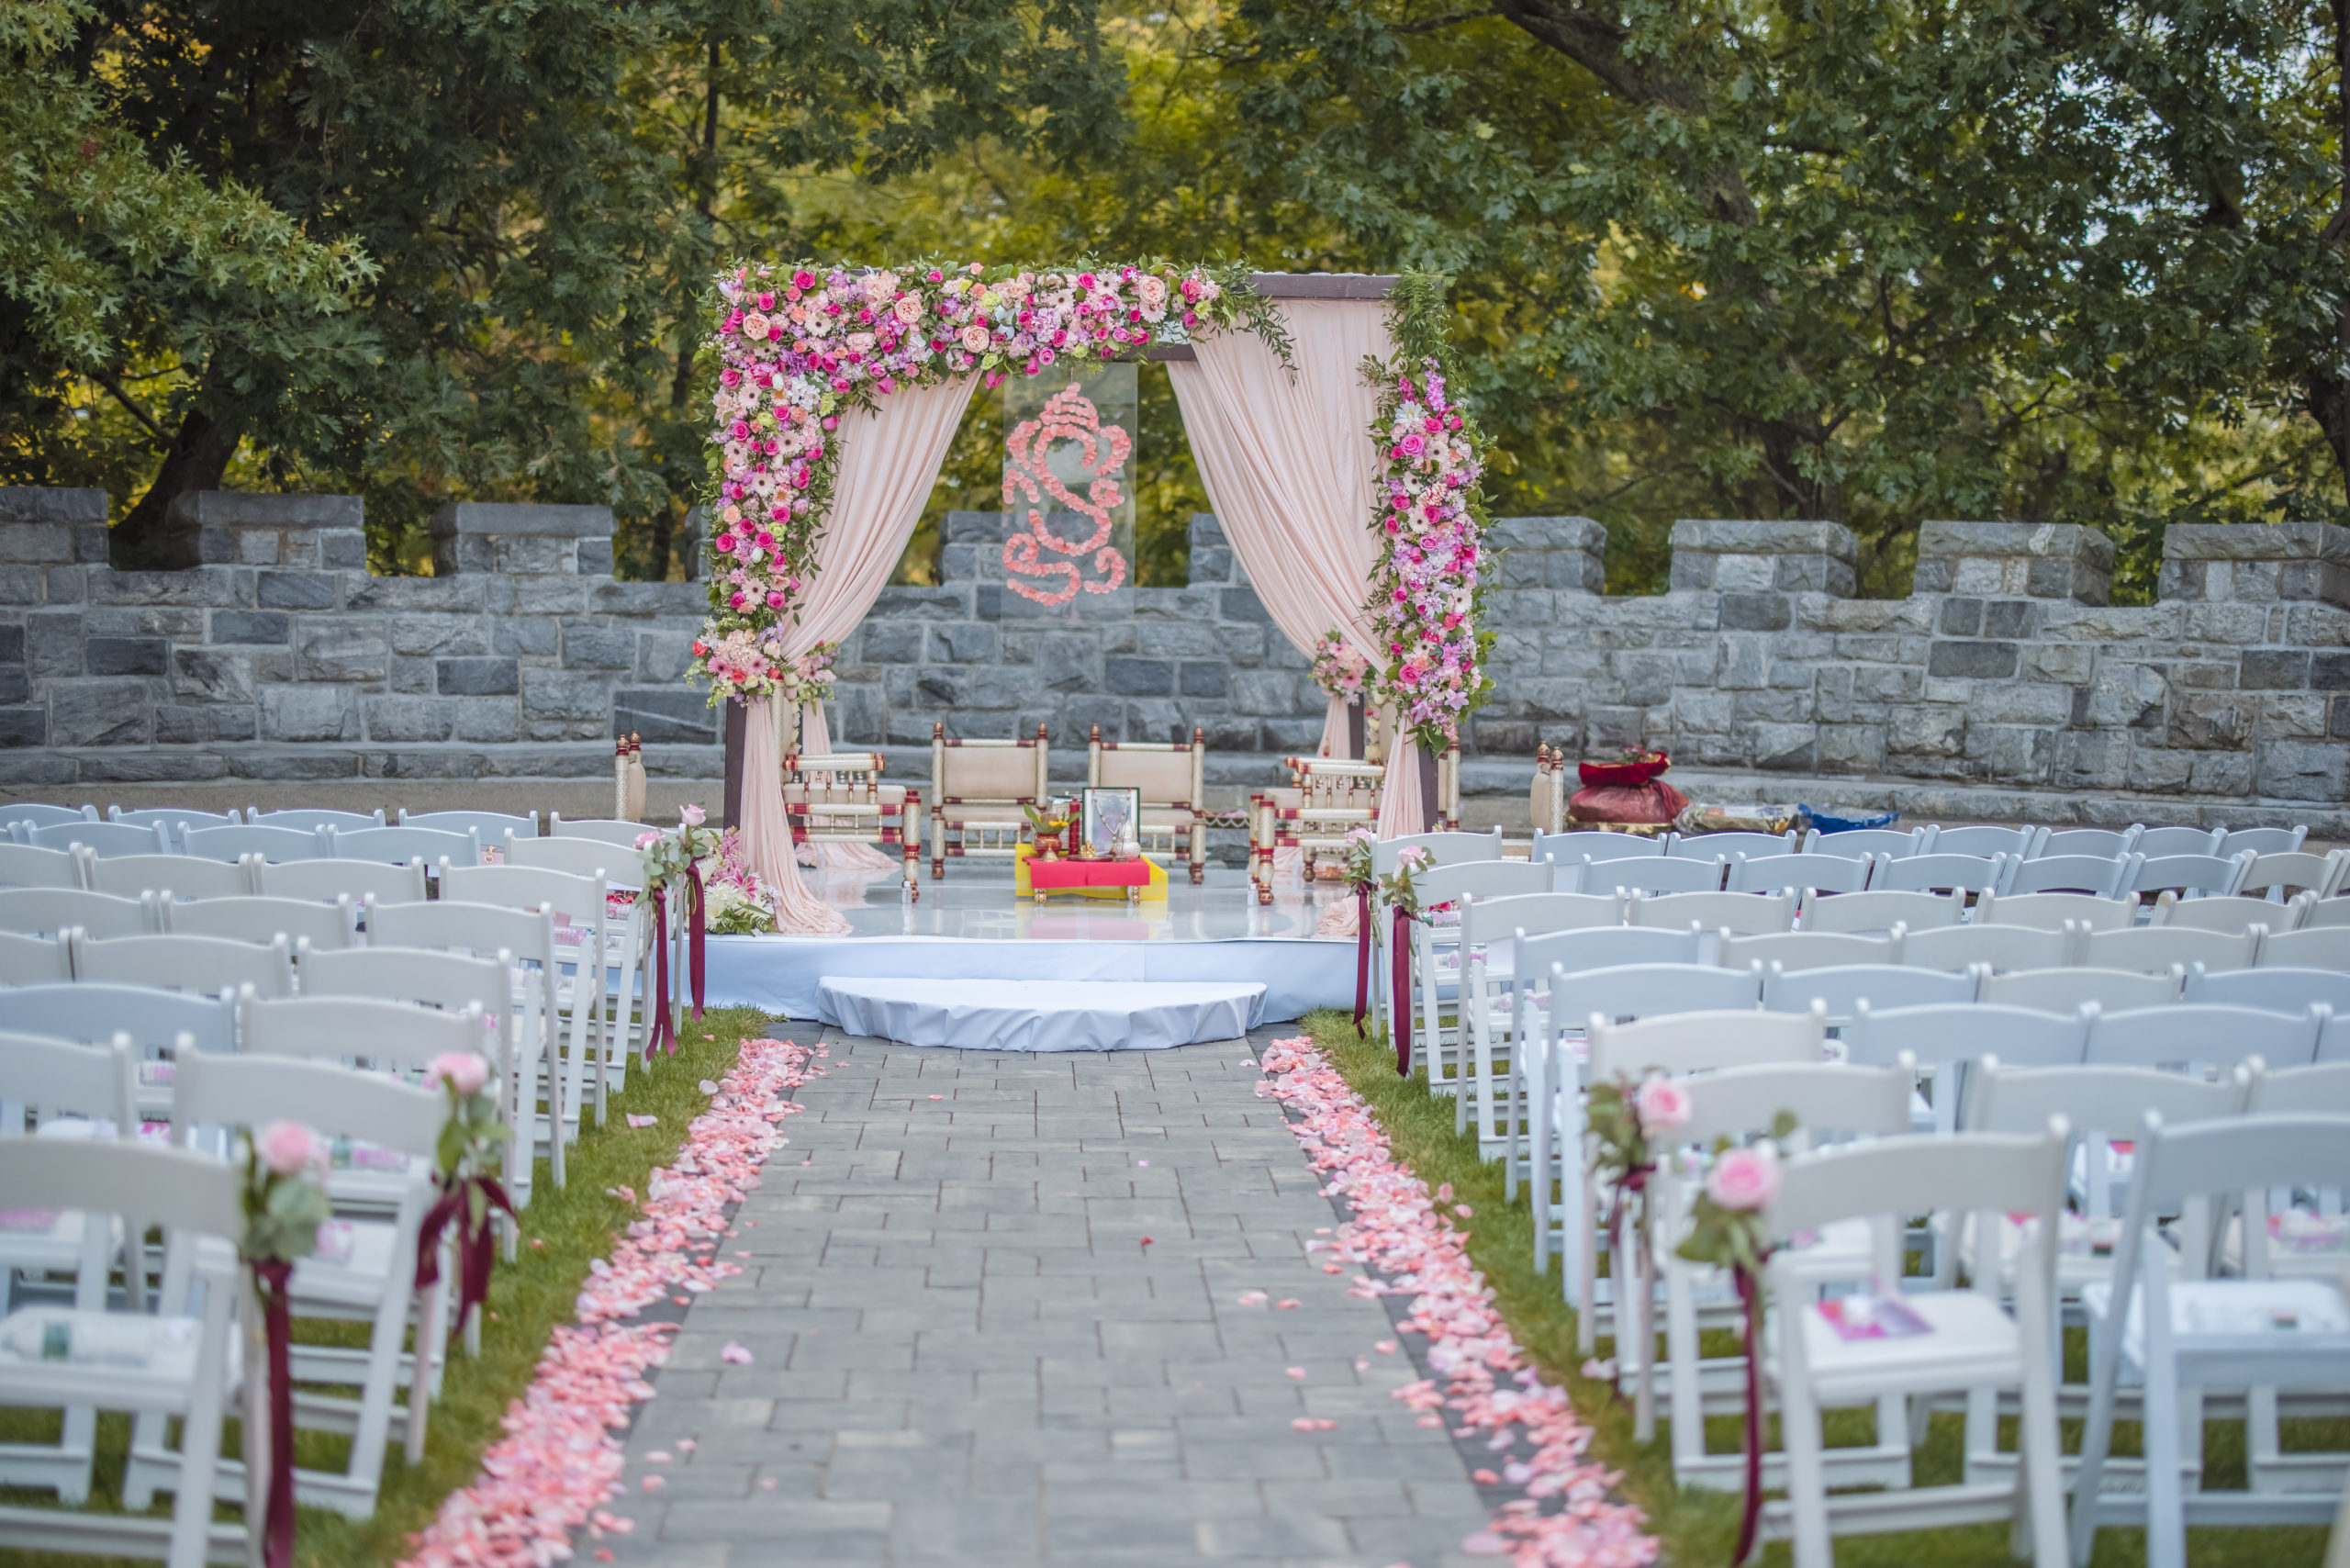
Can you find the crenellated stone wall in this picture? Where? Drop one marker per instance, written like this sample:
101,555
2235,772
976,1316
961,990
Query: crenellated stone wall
2003,685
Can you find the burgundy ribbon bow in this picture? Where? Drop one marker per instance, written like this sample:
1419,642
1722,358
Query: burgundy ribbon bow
1750,1296
697,929
664,1033
1403,982
476,1245
1363,954
274,1276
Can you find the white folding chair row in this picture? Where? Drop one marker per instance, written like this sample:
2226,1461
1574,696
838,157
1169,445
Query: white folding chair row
51,912
1442,849
205,966
1730,845
1490,930
1879,910
1574,847
2015,842
627,939
401,846
172,876
1804,874
173,819
187,1363
363,1270
306,819
2320,876
2053,910
269,842
607,829
32,813
1742,915
1651,875
1442,1033
101,839
2273,989
62,1089
1865,843
24,866
157,1023
35,960
325,925
584,928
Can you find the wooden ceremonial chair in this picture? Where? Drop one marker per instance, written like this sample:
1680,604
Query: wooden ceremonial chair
838,797
1329,798
1173,782
979,788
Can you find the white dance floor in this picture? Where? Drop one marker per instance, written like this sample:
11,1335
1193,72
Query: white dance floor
970,928
1042,1015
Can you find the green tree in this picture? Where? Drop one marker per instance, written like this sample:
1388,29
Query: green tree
121,271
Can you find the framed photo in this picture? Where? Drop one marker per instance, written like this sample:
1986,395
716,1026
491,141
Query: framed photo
1109,816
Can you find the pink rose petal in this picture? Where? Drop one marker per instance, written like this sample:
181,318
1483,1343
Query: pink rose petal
735,1355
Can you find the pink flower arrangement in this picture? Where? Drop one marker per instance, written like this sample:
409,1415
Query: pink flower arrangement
1664,1106
560,1461
1564,1513
1339,667
289,1148
1744,1179
466,1071
1425,589
792,359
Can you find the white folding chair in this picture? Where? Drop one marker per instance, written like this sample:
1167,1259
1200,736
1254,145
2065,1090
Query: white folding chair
1798,873
2106,844
51,912
1939,873
161,1024
22,866
2260,840
1438,956
203,966
2325,914
2161,842
2059,874
361,1272
2273,989
1442,849
325,881
2065,990
104,840
2054,910
2326,947
454,983
2233,914
271,844
1943,1040
1490,991
2157,948
1865,843
1998,946
62,1089
32,814
1668,1043
34,960
310,819
173,820
1983,839
1971,1342
605,830
1730,847
171,876
1878,910
584,925
490,827
2157,1324
628,936
526,938
1843,989
180,1358
2191,875
399,846
1661,874
325,926
1740,1103
2203,1035
2272,875
1572,848
1742,914
1794,950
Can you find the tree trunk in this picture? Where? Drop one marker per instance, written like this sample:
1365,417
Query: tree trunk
199,455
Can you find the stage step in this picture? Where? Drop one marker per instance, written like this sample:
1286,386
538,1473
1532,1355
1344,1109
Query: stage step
1042,1015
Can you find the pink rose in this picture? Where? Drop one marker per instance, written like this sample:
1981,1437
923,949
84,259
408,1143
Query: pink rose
907,309
647,840
974,339
1744,1178
754,325
1663,1104
287,1147
693,816
1417,855
466,1072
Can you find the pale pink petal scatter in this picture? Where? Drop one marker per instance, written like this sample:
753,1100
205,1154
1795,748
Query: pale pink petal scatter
560,1461
1565,1517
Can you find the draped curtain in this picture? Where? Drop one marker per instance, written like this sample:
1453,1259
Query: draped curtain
1285,456
889,461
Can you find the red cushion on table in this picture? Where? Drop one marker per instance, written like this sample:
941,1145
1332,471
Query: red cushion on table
1050,874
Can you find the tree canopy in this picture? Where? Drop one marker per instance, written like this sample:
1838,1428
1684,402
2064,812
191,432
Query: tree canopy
1874,260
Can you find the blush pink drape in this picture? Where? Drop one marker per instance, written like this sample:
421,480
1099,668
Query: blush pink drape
1335,739
889,461
1285,454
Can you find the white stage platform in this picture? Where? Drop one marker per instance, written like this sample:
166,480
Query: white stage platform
970,927
1044,1015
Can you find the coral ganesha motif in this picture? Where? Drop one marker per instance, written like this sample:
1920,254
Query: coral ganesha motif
1028,476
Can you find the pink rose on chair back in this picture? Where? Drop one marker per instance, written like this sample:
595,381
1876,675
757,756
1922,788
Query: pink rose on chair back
466,1071
1745,1179
289,1148
1663,1104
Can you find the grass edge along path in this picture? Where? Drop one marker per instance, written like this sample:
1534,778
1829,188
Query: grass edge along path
529,1299
1696,1527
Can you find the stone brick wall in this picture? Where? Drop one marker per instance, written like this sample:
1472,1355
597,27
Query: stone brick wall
2003,687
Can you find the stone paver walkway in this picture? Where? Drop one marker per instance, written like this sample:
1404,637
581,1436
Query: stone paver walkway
964,1354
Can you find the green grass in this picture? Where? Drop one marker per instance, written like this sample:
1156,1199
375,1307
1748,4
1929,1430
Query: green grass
1698,1527
527,1300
